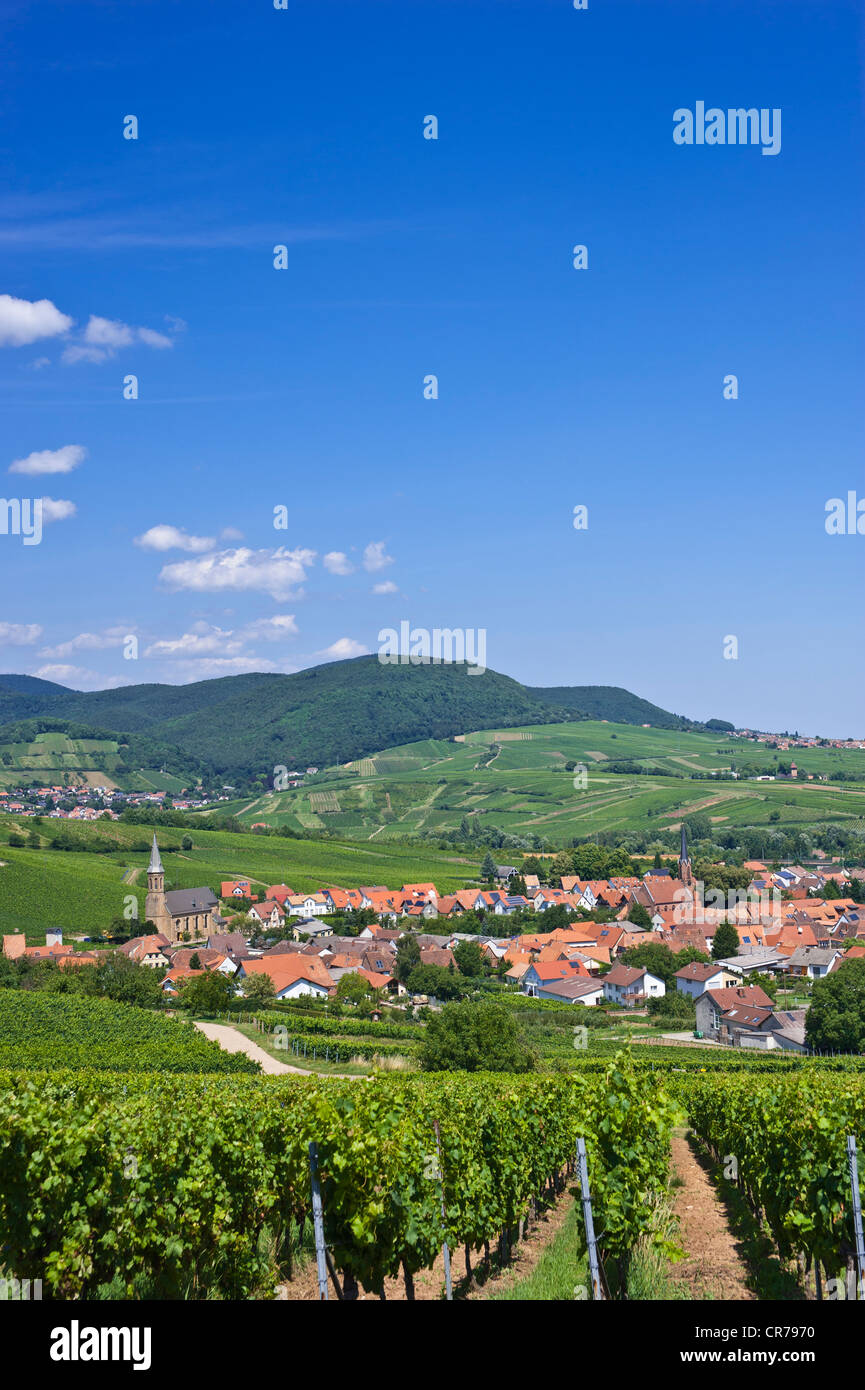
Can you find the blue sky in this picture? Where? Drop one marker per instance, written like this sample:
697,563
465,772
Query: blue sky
303,387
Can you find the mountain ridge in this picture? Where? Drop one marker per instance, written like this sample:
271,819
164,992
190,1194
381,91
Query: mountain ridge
246,725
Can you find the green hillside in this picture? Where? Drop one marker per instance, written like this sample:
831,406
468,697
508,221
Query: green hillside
609,702
83,891
520,781
244,726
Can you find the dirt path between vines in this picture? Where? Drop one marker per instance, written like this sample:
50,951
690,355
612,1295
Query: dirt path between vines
713,1267
232,1041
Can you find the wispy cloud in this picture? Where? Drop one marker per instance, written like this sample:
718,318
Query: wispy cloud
19,634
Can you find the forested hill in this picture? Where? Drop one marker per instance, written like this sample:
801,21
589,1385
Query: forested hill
248,724
613,703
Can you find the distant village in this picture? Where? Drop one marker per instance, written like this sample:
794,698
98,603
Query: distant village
795,923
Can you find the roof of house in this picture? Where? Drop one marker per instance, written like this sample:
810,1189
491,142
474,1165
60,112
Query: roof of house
285,970
624,975
576,988
700,971
739,996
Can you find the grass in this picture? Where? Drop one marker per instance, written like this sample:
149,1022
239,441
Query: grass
41,888
428,787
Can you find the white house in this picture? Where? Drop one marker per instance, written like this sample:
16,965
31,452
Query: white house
627,985
696,978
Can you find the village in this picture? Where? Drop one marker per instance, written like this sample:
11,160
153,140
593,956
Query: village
792,926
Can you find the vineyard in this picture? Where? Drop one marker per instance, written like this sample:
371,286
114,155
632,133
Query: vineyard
192,1187
783,1142
72,1031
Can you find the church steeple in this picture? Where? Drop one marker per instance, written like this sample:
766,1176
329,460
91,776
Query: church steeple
155,865
155,876
685,873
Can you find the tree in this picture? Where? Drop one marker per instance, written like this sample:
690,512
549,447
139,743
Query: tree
407,958
434,980
836,1019
206,994
475,1037
353,988
195,961
674,1005
186,842
639,915
725,942
258,989
657,959
469,958
488,867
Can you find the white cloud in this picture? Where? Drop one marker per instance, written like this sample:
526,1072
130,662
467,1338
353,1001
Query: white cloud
23,321
88,642
19,634
39,362
50,460
108,333
388,587
102,338
374,557
337,562
77,353
64,674
274,572
57,509
154,339
166,537
230,533
344,647
272,629
202,640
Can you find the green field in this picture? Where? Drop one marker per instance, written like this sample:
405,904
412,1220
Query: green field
82,892
518,779
73,1031
55,759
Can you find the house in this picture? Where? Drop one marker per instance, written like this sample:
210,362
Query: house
696,978
573,991
504,872
627,985
231,944
542,973
751,1006
148,950
812,962
268,914
308,926
235,888
307,904
293,975
768,961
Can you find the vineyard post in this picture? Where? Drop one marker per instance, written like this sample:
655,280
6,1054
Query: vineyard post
446,1254
318,1221
853,1164
597,1291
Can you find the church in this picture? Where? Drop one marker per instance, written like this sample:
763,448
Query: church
186,914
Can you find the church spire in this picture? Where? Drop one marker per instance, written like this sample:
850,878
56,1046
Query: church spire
155,865
684,854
